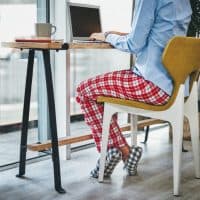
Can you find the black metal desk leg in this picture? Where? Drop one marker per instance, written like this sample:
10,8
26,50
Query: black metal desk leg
27,96
146,135
53,126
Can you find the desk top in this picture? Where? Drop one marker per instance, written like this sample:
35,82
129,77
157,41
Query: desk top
34,45
55,45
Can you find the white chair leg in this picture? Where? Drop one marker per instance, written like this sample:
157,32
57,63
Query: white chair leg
191,111
134,120
194,130
108,113
177,127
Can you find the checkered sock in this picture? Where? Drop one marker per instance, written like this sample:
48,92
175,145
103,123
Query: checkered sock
131,163
112,159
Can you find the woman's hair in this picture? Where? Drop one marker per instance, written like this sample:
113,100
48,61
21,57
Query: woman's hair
194,27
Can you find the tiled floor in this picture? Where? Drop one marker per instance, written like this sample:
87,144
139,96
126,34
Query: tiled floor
153,182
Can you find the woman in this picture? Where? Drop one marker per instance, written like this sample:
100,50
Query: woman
154,23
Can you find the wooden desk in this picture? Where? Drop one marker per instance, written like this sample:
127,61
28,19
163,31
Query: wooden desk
45,48
35,45
69,139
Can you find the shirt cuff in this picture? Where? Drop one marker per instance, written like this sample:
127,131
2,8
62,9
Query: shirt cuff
111,38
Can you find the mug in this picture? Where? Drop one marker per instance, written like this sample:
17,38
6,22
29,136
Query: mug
44,29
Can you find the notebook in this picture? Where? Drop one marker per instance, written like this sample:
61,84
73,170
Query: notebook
83,21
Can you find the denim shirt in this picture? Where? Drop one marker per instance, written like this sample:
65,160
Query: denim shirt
154,23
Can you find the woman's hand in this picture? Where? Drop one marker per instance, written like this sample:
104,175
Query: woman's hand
97,36
102,36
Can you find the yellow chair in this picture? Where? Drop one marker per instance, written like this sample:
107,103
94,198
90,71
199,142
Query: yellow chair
181,58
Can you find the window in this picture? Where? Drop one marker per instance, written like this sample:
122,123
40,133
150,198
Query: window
88,63
17,18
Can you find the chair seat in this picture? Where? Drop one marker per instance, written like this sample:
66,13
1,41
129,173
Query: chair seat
135,104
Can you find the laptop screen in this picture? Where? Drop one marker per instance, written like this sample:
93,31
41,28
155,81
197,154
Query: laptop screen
84,21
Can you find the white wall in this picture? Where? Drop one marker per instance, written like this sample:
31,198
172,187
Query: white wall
116,15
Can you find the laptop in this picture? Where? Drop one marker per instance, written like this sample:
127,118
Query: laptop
83,21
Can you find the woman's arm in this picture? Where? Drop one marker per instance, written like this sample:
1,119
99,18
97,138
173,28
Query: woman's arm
142,25
102,36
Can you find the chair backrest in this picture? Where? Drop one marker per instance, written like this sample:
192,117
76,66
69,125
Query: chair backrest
181,58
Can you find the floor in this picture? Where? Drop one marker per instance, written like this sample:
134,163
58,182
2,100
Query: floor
10,142
153,182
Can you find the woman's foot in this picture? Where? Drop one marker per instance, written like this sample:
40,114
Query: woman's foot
130,164
112,159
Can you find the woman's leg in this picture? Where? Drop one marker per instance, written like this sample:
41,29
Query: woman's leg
93,114
122,84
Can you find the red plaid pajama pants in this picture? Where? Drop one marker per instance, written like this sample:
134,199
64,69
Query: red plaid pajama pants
122,84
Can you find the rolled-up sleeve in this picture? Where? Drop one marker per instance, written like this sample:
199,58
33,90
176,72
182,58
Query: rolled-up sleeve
141,27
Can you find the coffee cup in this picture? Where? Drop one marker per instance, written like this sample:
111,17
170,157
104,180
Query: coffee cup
44,30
